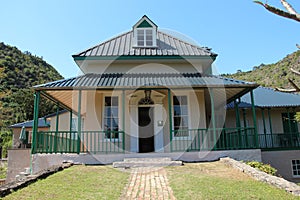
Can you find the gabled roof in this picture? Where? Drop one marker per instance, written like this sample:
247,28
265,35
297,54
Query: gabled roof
143,20
167,45
29,124
268,98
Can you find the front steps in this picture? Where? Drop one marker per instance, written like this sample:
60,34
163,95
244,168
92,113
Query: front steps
146,162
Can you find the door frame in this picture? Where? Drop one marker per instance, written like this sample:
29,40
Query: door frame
138,131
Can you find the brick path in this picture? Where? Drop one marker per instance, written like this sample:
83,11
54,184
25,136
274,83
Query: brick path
148,183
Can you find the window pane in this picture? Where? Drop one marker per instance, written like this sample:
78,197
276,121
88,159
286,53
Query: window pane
107,101
140,32
183,100
184,110
177,111
107,112
175,100
114,111
149,32
177,121
149,43
141,43
184,121
114,101
140,37
149,37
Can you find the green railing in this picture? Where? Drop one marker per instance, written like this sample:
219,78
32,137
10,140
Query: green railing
213,139
279,140
86,141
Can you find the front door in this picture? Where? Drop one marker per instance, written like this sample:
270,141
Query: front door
146,129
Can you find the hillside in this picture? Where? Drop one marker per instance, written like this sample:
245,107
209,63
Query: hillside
18,73
272,75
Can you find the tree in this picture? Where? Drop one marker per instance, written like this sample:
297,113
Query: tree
290,13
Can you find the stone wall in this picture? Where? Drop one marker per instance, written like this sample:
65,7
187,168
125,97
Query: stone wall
263,177
18,160
16,185
44,161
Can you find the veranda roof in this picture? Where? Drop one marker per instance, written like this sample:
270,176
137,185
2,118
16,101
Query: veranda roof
29,124
268,97
64,90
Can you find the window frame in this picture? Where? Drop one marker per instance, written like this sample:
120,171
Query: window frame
119,139
297,168
153,37
188,116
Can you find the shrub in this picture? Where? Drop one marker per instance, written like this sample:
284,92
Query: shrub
262,167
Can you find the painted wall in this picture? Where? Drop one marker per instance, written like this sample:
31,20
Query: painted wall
94,112
282,161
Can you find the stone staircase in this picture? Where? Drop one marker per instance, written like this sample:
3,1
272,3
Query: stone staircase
146,162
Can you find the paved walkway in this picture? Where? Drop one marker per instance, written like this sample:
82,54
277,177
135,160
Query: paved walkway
148,183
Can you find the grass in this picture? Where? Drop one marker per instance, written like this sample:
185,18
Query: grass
212,180
77,182
215,180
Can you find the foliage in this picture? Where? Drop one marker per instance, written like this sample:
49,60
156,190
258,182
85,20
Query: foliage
298,116
6,136
214,180
3,170
77,182
272,75
18,73
262,167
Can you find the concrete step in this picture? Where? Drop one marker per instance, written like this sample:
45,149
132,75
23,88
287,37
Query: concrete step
156,159
146,162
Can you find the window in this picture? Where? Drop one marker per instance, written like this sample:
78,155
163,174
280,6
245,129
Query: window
144,37
289,119
75,124
180,116
111,117
75,127
296,167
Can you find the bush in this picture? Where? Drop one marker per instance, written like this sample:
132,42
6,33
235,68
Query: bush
262,167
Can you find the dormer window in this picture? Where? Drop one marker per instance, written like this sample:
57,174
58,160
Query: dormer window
144,37
144,33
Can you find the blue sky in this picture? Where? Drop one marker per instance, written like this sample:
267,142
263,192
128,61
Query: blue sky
241,32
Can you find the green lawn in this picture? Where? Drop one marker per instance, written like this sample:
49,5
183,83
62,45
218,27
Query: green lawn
198,181
77,182
214,180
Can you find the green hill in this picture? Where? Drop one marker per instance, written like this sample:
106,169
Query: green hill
272,75
19,71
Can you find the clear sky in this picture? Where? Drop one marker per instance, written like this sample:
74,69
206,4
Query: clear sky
241,32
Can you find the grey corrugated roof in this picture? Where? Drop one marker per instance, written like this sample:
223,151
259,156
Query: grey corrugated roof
139,80
167,45
241,105
29,124
267,97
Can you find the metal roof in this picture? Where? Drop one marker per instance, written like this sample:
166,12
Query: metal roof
268,97
167,45
29,124
240,104
119,80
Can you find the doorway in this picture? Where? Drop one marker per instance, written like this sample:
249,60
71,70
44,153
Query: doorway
146,129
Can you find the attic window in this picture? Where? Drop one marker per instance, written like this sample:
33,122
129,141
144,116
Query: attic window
144,37
144,33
